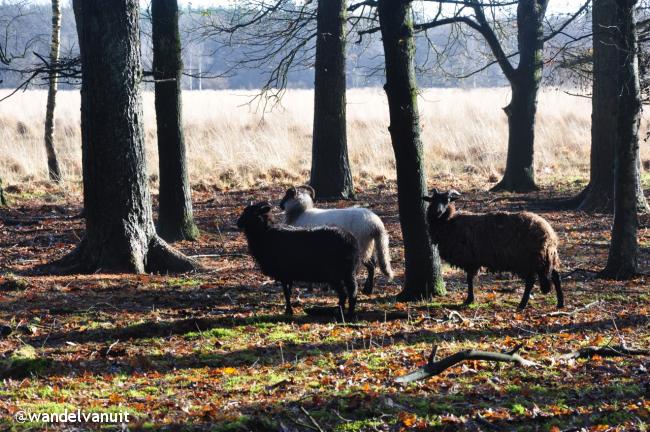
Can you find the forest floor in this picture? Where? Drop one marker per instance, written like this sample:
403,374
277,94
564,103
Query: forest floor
212,350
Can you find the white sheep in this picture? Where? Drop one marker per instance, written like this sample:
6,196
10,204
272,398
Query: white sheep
367,227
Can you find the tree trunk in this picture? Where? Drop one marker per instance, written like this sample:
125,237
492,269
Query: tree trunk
52,160
175,217
423,276
598,196
3,201
519,175
622,262
120,234
520,167
331,177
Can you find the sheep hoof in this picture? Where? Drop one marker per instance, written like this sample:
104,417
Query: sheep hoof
468,302
288,311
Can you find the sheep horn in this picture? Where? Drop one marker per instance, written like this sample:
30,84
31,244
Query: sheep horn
453,194
311,190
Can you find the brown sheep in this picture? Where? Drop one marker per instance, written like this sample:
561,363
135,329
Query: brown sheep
521,243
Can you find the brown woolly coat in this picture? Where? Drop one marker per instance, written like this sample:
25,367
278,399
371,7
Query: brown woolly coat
521,243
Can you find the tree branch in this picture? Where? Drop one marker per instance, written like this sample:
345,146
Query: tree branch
613,351
437,367
567,22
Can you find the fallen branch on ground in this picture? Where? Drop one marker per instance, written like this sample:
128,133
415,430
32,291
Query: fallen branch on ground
575,311
434,367
576,270
311,419
607,351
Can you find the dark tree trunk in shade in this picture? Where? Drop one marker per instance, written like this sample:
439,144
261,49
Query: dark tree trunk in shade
599,194
175,217
3,201
622,262
120,234
330,168
423,277
524,81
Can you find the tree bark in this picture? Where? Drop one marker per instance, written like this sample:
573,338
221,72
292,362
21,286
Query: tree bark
3,201
519,175
423,276
331,177
622,262
175,217
120,234
598,196
52,160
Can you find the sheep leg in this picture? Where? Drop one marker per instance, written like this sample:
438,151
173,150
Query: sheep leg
369,284
544,282
351,287
286,288
338,287
558,288
471,274
530,282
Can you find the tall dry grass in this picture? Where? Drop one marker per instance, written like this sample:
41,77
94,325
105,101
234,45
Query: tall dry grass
234,144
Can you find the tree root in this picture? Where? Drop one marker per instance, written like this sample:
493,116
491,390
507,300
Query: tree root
607,351
163,258
434,367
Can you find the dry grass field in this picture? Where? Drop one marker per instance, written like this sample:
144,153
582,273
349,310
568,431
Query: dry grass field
234,144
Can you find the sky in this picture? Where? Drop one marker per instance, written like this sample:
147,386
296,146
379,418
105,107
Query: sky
555,6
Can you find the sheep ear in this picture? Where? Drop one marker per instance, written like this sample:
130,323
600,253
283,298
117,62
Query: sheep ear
311,190
453,194
291,191
434,191
427,199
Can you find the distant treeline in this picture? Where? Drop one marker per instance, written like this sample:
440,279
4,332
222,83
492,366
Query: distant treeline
208,63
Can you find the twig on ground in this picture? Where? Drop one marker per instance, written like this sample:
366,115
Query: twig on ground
607,351
576,270
237,255
301,424
437,367
575,311
311,419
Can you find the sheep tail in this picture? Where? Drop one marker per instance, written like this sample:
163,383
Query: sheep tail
383,252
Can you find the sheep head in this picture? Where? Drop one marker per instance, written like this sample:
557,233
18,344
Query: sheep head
439,202
254,215
304,193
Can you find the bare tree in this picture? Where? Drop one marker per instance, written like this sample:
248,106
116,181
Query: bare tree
486,18
120,233
281,36
423,275
622,262
52,160
175,218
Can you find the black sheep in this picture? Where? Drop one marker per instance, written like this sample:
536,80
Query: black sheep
521,243
288,254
